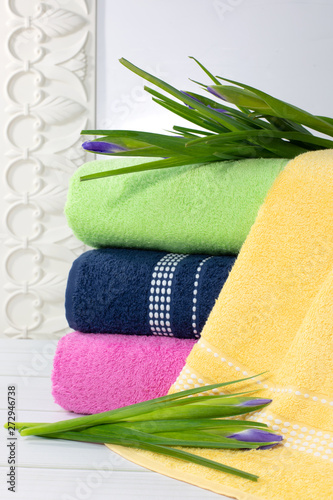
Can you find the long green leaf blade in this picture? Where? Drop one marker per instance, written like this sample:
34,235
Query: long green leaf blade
195,118
288,111
248,135
208,73
209,439
147,152
135,139
226,121
176,161
167,451
127,411
194,131
185,112
194,440
152,426
195,411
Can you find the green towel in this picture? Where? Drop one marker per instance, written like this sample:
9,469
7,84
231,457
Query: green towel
206,208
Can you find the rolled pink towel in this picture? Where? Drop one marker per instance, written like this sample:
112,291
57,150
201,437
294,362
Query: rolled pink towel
101,372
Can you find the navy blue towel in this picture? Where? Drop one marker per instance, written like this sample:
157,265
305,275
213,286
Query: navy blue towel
144,292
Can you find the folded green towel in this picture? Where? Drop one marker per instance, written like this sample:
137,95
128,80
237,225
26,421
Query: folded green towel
206,208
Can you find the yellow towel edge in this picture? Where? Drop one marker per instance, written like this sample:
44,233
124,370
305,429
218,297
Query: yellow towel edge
186,477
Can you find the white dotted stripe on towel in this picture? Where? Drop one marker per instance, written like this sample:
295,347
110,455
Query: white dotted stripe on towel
299,437
160,294
296,392
195,298
187,377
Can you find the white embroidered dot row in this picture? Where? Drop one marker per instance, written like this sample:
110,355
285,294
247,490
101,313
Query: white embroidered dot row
160,294
299,438
183,381
265,386
186,378
195,299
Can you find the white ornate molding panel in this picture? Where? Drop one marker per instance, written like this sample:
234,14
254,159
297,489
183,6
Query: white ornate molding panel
47,97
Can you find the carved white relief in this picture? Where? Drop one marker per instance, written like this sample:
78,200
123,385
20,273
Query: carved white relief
49,97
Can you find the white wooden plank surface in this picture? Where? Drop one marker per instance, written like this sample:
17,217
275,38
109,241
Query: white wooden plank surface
55,484
64,470
33,393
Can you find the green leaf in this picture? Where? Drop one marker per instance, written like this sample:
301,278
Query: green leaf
191,115
152,426
209,439
204,111
208,73
261,134
215,408
176,161
145,152
239,151
127,411
326,119
241,97
163,450
202,85
135,140
248,122
183,112
280,148
288,111
170,151
193,131
114,427
195,440
287,125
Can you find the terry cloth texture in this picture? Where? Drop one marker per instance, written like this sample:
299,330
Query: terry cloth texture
275,313
95,373
207,208
144,292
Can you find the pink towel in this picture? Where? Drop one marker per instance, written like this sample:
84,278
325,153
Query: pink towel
99,372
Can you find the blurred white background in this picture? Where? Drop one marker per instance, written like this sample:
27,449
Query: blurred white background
283,47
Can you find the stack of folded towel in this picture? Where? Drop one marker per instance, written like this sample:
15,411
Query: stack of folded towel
164,244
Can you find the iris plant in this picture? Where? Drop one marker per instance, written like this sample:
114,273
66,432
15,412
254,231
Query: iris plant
161,425
231,122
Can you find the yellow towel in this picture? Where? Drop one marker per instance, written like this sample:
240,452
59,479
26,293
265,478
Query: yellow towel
275,313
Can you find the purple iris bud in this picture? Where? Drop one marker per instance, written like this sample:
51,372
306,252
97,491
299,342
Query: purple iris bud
213,91
256,402
103,147
188,95
256,436
218,110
